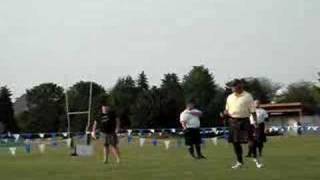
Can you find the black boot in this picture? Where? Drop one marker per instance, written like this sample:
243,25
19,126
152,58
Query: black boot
200,155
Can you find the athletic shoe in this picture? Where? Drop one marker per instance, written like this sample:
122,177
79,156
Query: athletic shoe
193,156
74,154
258,164
238,165
201,157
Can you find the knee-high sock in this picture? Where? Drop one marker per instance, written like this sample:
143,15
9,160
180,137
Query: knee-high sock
191,150
198,149
250,149
260,147
254,149
238,151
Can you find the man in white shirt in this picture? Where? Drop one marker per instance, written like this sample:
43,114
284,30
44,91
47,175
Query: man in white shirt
259,136
190,121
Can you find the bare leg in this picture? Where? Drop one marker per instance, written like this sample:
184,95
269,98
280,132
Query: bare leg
106,152
116,153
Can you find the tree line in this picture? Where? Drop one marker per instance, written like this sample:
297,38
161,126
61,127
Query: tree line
138,104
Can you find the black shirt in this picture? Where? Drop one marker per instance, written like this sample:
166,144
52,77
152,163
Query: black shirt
108,122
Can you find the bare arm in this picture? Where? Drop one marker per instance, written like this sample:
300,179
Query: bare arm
118,125
254,115
196,113
183,120
94,128
184,125
226,113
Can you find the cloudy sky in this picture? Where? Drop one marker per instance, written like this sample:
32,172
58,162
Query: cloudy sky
68,40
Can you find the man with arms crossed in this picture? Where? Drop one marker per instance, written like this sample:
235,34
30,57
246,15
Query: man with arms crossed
239,108
190,122
109,125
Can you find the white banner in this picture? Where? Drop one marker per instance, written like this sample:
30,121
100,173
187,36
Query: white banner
69,142
214,130
84,150
167,144
65,134
13,151
42,148
41,135
214,141
16,137
142,141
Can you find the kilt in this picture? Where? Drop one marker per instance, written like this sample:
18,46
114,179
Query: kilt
239,130
192,136
257,133
111,139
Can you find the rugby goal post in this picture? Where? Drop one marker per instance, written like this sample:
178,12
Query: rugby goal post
87,112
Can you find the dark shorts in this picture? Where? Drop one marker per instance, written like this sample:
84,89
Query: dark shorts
258,134
192,136
239,130
111,140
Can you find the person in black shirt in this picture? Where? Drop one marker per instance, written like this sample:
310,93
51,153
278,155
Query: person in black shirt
109,125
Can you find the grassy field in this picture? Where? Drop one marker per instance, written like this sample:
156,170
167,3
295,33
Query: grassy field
294,158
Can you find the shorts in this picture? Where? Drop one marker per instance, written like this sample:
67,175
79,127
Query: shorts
192,136
111,140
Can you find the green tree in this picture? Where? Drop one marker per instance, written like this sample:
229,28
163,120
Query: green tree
317,90
123,97
199,84
217,105
79,101
146,110
142,82
303,92
172,100
6,111
45,109
262,89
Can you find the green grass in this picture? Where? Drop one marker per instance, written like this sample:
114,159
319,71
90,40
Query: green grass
293,158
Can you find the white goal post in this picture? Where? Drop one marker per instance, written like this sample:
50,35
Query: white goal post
88,112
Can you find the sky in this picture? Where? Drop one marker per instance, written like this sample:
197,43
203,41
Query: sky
64,41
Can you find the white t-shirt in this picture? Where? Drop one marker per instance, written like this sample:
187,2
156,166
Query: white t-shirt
192,121
262,115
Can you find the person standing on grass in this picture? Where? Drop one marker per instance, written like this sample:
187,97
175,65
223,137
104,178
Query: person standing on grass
190,121
239,108
259,137
109,125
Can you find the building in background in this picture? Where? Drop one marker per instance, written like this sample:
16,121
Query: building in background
291,114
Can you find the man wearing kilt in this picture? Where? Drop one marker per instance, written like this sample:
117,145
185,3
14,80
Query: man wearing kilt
239,108
190,121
